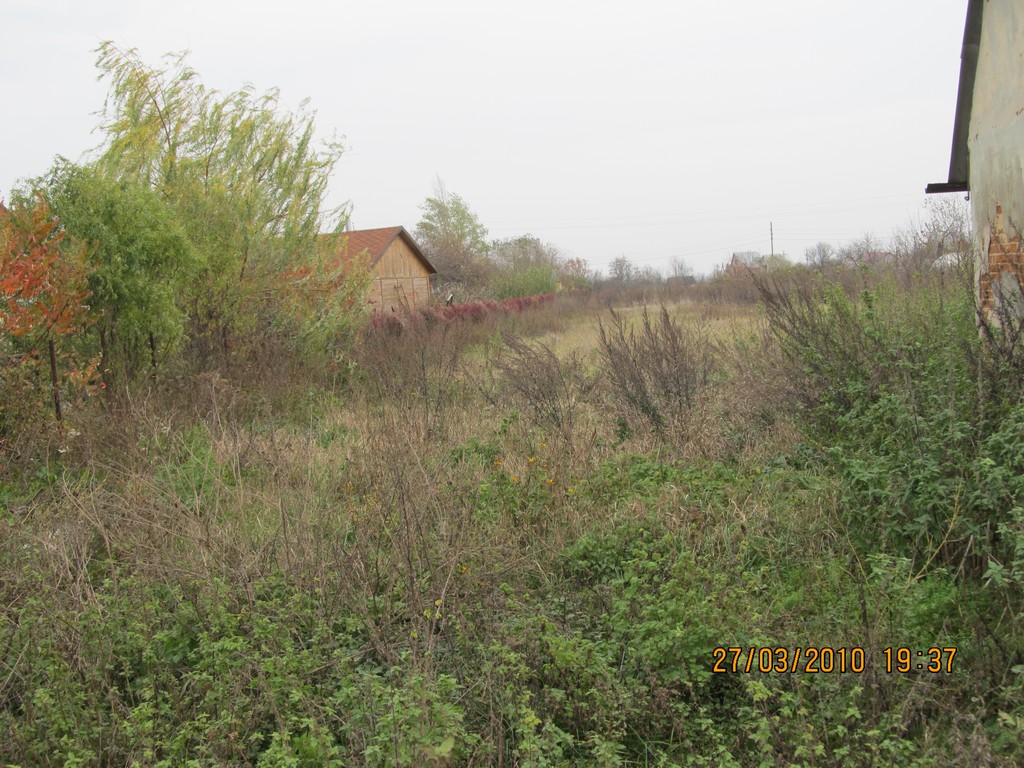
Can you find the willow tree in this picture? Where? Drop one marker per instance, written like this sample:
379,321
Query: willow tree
248,183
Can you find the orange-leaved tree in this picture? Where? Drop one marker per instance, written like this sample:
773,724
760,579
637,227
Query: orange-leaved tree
43,297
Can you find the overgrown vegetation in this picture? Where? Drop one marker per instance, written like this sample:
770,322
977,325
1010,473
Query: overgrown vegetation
495,534
478,551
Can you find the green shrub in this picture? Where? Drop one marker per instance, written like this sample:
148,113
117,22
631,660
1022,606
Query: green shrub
919,441
168,674
531,281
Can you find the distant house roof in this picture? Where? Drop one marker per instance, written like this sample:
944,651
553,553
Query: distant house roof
376,242
959,162
747,258
744,260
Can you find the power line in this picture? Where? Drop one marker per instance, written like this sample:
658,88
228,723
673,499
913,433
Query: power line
587,222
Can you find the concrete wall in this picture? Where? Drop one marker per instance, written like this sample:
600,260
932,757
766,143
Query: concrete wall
996,146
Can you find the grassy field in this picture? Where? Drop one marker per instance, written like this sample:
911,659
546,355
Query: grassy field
520,543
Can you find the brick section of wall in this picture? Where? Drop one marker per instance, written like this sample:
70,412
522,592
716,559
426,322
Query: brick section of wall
1005,260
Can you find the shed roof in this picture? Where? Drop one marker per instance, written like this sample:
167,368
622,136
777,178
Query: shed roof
959,161
376,242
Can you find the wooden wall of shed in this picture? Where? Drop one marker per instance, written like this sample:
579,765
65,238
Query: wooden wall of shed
400,280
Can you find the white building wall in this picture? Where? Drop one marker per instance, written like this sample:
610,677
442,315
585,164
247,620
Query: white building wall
996,140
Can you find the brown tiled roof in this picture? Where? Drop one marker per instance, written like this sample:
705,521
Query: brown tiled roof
376,241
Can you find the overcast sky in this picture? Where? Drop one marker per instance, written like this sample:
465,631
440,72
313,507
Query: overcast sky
647,129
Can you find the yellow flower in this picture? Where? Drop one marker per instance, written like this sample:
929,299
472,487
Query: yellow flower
570,489
532,459
514,479
551,480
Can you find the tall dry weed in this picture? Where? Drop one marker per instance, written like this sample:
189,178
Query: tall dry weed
555,390
657,371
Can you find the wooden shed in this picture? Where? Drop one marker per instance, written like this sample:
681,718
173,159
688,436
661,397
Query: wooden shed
400,273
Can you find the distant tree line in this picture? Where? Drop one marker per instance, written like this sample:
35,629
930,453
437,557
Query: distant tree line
943,240
471,266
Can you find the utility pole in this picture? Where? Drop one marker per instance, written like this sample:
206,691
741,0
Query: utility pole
771,230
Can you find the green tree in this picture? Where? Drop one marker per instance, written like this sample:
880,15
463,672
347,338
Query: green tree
524,252
141,263
454,240
247,182
524,267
